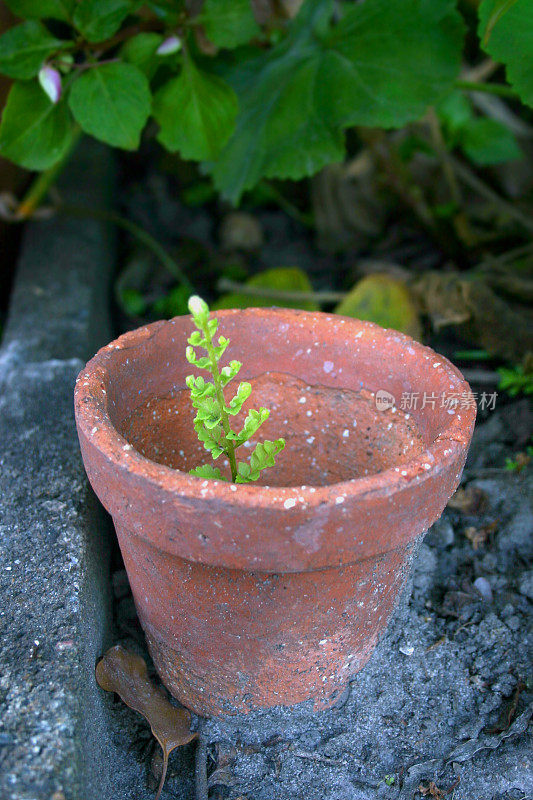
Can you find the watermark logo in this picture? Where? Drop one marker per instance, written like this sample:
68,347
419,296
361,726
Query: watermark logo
384,400
451,401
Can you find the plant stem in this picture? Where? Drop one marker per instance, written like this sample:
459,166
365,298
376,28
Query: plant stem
43,182
499,89
163,776
139,233
227,285
229,448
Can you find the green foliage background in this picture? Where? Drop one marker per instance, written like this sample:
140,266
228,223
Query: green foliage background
249,100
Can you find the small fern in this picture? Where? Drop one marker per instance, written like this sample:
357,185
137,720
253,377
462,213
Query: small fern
213,411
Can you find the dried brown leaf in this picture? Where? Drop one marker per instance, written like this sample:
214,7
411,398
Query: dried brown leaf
479,536
441,297
502,328
126,674
431,790
471,500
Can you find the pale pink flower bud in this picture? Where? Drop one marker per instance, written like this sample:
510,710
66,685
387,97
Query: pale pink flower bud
172,44
50,80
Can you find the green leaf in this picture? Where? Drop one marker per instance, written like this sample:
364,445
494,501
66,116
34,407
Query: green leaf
229,23
285,279
24,48
196,112
141,50
454,111
262,457
99,19
381,65
42,9
207,471
486,141
508,37
112,103
499,8
228,372
173,304
393,60
34,132
132,302
196,339
252,423
385,301
243,393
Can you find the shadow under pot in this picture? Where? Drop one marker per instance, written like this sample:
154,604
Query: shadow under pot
255,595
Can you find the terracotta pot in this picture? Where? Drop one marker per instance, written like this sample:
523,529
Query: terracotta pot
253,596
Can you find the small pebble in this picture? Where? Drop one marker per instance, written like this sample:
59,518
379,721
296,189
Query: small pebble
407,649
513,623
484,588
525,584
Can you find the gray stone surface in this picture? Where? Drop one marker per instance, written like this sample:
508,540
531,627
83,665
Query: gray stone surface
58,738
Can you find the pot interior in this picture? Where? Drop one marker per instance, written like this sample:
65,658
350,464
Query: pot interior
331,434
319,376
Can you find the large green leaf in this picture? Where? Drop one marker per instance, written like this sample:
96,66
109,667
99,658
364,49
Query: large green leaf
34,132
112,103
506,32
381,65
99,19
196,112
24,48
487,141
229,23
392,60
42,9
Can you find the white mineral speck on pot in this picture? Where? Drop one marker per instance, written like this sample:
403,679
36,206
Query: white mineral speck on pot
289,503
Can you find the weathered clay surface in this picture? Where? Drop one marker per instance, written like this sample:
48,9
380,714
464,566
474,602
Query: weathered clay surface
253,596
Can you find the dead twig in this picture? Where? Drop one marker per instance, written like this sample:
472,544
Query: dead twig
481,376
460,220
317,757
200,769
483,189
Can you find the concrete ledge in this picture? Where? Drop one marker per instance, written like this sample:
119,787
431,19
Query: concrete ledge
55,607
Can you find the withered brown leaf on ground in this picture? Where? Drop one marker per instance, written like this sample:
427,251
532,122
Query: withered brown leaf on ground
470,500
431,790
126,674
479,536
466,300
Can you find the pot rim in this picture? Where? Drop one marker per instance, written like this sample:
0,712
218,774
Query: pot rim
94,423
